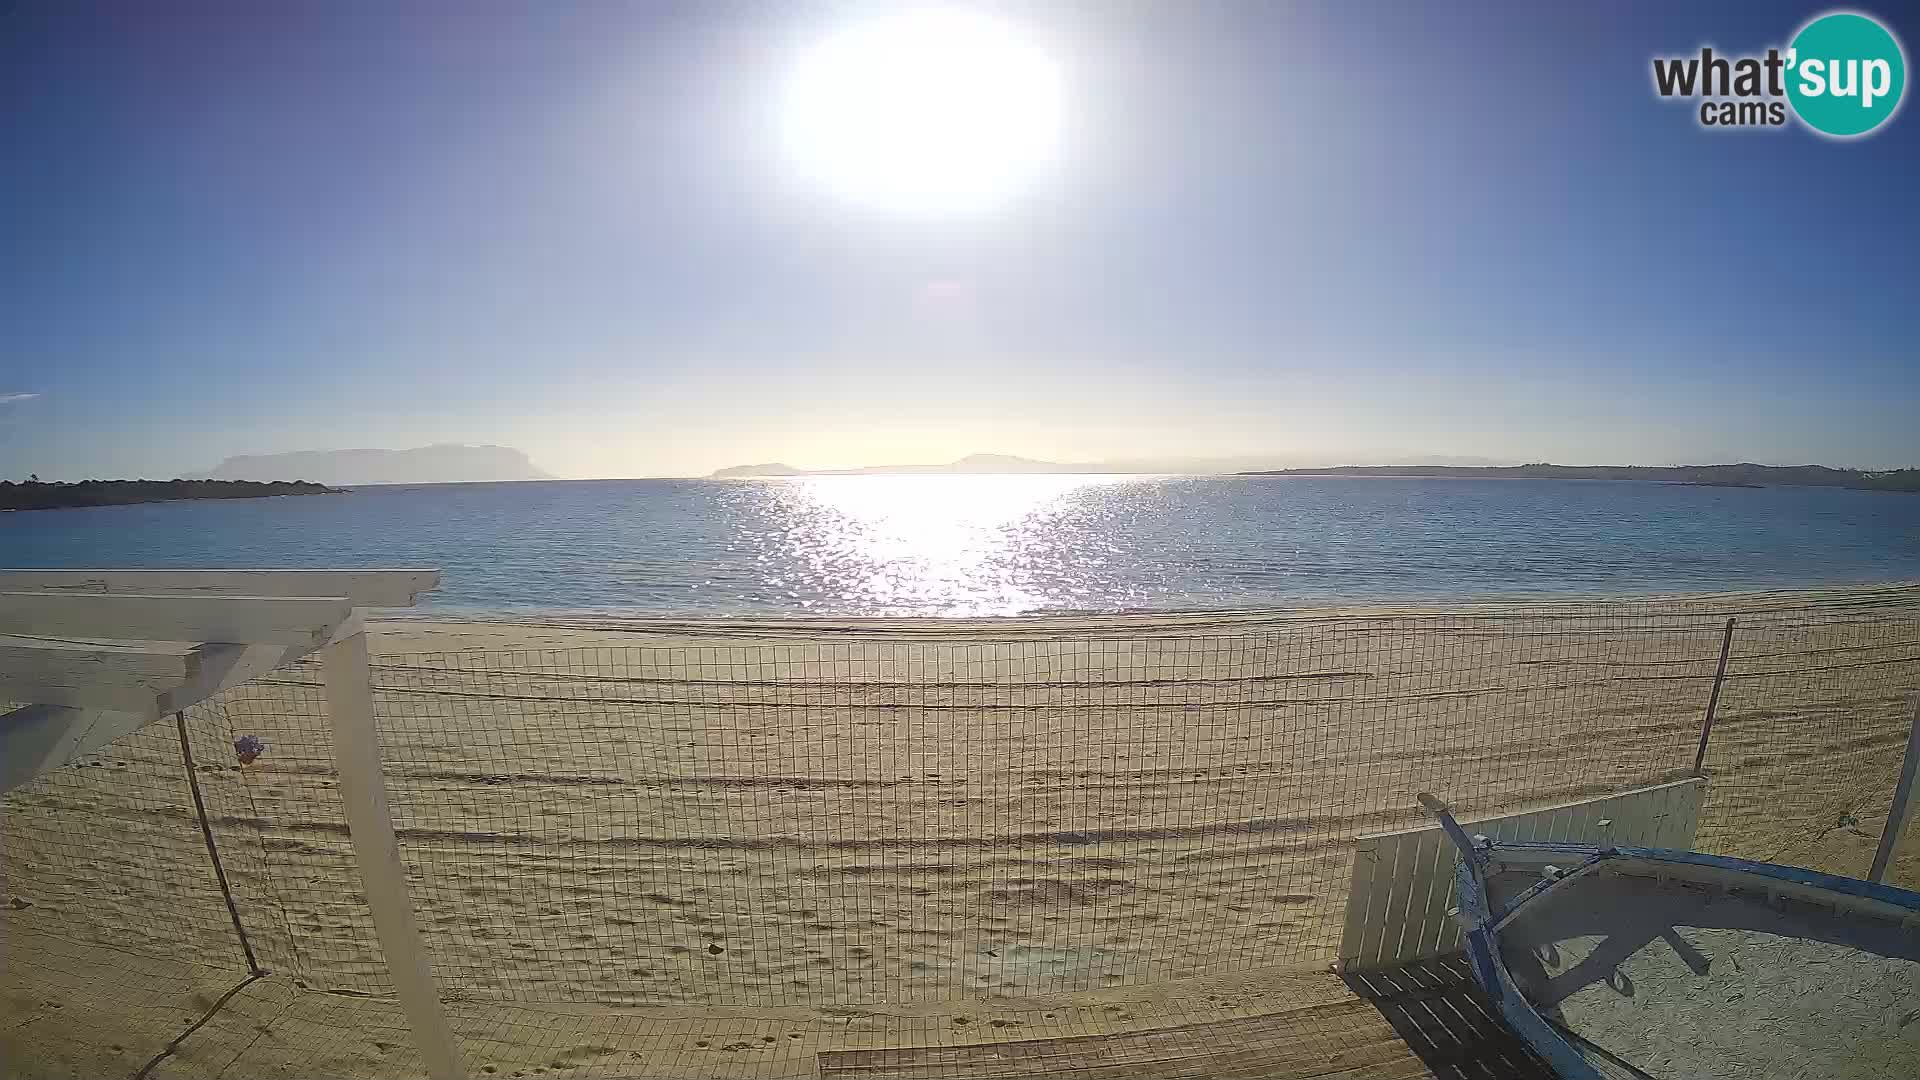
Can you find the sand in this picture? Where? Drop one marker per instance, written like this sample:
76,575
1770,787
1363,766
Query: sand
778,838
1764,1007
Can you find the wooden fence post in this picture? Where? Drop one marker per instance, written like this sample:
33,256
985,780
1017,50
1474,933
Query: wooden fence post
1900,811
356,751
1713,701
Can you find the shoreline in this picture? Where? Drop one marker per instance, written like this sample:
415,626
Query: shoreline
429,630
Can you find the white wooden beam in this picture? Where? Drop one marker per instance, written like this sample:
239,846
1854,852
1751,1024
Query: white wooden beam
142,701
99,675
281,620
225,666
68,663
356,751
366,588
47,735
37,738
1903,796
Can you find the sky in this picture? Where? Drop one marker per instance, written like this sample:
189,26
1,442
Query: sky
1303,232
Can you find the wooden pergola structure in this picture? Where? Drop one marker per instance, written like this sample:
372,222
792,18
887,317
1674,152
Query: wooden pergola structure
88,656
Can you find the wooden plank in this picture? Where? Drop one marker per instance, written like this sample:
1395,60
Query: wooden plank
1444,937
164,648
128,699
65,663
1560,819
356,750
1413,941
1366,861
223,666
1379,891
1399,895
91,675
1646,821
1347,1038
366,588
1402,887
48,735
1902,806
253,620
37,738
1682,822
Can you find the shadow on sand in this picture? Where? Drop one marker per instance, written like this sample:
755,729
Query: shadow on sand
1445,1019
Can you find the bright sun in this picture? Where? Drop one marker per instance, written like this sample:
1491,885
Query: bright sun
926,110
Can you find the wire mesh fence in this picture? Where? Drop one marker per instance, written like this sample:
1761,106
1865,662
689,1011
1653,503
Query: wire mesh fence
1807,742
858,820
866,822
114,933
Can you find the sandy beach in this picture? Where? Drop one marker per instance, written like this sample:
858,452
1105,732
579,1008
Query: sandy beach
888,833
867,541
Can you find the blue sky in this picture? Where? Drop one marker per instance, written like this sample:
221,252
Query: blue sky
1313,232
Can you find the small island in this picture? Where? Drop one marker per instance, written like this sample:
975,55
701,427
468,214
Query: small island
36,495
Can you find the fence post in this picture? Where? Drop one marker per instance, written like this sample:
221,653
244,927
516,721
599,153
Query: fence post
1713,700
213,850
1898,813
356,751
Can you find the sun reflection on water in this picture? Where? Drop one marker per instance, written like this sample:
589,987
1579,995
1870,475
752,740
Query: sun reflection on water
953,544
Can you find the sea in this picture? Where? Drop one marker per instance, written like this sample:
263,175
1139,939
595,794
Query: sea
980,545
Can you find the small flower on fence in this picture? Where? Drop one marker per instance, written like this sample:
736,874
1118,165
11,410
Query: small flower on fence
249,747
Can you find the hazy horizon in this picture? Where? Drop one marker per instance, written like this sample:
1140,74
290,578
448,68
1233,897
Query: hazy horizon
1168,465
1171,466
250,467
1249,232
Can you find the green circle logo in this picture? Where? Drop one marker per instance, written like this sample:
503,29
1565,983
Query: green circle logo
1845,74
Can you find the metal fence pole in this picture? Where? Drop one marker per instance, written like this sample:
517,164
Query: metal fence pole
1713,699
1898,813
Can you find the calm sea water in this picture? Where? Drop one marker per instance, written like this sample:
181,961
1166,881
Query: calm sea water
1003,545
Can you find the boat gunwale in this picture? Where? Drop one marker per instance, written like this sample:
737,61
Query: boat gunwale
1484,923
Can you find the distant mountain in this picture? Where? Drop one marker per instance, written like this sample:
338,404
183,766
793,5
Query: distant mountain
989,463
1008,463
1744,474
972,463
443,464
771,468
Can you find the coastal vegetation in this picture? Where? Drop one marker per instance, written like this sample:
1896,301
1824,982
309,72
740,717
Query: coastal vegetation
35,494
1745,474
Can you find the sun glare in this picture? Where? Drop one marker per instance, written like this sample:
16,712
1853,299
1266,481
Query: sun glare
926,110
955,545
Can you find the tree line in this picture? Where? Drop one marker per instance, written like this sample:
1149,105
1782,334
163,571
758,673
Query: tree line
35,494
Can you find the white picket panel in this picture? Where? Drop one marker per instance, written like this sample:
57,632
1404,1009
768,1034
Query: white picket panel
1403,882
